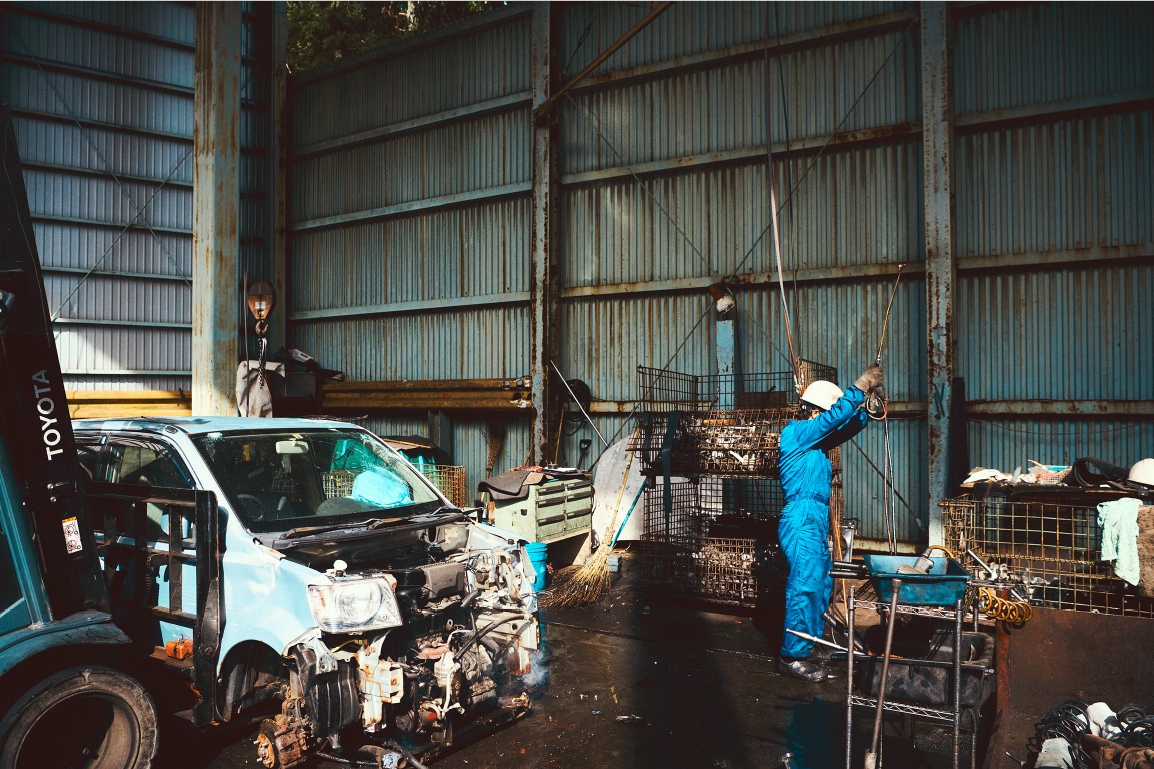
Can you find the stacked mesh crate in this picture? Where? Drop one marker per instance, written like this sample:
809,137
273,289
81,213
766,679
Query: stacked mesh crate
1049,543
709,447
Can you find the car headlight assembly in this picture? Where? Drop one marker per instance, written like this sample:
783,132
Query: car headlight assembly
354,605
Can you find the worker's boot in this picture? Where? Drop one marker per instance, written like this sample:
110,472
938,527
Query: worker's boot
802,669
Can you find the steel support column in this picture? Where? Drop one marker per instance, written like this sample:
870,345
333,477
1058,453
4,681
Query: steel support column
544,291
216,202
941,266
278,181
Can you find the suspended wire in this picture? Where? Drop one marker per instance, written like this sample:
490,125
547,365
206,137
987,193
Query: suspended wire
680,231
790,215
100,155
829,139
120,234
581,41
773,214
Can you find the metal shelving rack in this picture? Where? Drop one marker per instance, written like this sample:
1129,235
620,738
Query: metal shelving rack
950,715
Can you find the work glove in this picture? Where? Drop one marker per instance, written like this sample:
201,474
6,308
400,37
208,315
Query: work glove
870,380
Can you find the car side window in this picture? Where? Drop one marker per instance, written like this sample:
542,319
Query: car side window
88,451
146,463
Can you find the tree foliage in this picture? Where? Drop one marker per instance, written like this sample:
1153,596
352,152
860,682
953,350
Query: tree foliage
322,32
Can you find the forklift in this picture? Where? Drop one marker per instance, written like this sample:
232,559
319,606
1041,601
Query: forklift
70,678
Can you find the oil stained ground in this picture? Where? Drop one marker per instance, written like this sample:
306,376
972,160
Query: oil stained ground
705,702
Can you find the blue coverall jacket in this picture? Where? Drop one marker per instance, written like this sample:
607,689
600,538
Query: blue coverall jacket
804,528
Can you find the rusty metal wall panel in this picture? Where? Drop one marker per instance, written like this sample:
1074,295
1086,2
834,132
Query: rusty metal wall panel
858,206
447,159
473,251
126,326
1065,184
471,343
422,81
722,108
603,341
1011,443
1070,334
1017,56
690,28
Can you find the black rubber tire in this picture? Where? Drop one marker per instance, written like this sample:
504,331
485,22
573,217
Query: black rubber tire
87,717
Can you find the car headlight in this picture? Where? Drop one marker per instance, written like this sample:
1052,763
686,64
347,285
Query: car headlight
358,604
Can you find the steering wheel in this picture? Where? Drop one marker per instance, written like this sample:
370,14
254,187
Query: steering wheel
252,506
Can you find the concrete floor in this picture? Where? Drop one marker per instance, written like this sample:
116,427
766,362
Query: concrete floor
703,681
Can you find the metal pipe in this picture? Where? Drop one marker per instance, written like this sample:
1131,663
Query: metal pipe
849,685
871,758
547,106
958,678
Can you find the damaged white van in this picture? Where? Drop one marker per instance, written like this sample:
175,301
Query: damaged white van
373,620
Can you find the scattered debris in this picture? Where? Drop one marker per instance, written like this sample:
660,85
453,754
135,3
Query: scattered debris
632,719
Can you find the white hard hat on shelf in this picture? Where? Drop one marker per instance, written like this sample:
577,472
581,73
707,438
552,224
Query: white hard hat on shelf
1143,472
822,394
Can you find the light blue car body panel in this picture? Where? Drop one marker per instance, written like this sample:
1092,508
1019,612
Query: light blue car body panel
265,594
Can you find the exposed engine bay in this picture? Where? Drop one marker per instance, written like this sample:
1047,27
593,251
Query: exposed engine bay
407,654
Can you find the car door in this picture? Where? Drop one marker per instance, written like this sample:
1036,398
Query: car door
146,461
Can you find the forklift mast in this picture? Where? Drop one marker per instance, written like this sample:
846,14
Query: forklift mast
34,421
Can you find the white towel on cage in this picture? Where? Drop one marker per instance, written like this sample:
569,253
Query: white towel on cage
1119,523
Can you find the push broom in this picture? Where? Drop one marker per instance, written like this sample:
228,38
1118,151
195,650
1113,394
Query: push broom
590,583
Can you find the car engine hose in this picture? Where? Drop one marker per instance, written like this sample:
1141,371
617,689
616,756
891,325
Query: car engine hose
405,752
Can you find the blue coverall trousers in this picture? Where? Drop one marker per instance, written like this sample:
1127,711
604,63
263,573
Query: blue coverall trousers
804,527
804,534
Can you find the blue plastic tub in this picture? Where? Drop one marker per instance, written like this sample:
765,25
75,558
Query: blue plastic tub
538,556
944,585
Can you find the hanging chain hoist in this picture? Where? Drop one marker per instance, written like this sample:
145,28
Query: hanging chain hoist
261,298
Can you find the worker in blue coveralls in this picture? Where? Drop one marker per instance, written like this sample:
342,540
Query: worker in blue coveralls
829,419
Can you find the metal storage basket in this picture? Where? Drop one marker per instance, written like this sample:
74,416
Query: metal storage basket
1052,548
716,540
724,426
449,480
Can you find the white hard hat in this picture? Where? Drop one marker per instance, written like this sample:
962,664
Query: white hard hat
821,394
1143,472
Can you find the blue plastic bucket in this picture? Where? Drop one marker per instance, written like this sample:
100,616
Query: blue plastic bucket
538,557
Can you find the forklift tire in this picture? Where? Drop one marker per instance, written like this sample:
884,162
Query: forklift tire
90,716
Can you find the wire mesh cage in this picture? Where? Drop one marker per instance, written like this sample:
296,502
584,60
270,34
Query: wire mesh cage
449,480
716,539
1052,549
726,426
663,391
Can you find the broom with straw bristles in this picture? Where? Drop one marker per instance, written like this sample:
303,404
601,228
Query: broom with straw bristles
590,583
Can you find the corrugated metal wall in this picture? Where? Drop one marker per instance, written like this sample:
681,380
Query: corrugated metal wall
1067,177
102,97
410,212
